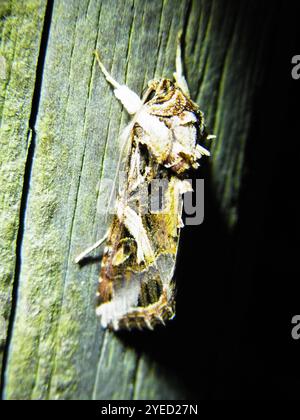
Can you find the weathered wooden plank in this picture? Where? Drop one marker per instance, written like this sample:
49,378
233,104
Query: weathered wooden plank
58,349
21,24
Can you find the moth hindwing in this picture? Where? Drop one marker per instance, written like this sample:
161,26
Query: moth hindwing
161,144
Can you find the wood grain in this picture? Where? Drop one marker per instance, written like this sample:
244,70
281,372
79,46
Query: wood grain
57,349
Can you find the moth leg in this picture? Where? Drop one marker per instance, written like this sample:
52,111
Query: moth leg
129,99
178,75
91,248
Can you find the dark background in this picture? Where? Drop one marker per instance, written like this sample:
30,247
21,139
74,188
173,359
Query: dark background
238,291
247,300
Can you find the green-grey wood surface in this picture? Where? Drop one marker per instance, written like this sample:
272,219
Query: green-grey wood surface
57,349
21,24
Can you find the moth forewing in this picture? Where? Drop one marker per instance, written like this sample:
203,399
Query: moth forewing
124,142
136,287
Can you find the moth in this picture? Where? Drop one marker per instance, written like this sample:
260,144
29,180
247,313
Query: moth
162,144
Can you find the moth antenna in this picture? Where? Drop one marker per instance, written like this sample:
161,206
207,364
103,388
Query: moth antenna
108,77
178,75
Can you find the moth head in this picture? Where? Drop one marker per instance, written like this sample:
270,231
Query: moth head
160,90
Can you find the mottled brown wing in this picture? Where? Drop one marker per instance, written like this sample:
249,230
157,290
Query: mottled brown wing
135,294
